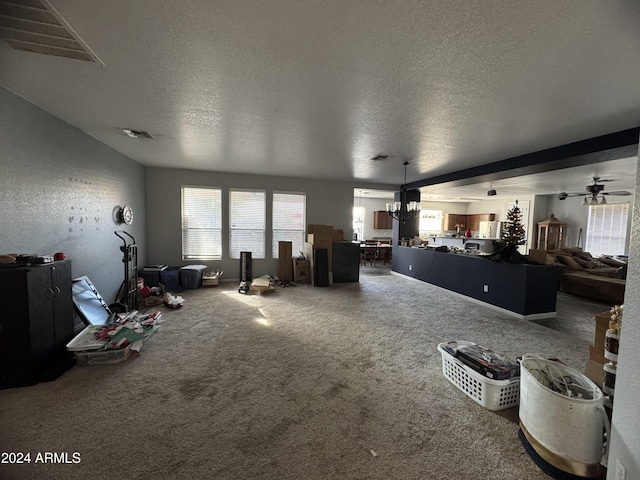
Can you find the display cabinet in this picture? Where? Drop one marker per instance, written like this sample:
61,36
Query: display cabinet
551,234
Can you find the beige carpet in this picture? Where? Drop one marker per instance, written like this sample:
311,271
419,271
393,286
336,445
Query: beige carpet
303,383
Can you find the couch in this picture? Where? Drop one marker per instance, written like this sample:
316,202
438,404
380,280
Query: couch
602,278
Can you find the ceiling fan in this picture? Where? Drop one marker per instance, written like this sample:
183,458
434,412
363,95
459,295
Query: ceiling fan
592,191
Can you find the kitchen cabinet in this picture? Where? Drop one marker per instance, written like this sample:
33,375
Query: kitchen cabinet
382,220
453,219
473,221
36,321
469,221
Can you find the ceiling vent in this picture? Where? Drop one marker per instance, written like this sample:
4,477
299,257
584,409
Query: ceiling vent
136,133
35,26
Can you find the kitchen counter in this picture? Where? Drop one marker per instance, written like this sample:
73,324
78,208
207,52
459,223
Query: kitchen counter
486,244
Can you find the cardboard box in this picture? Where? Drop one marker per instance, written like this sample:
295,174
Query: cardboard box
301,270
597,354
210,281
285,267
539,256
321,236
593,371
338,235
262,285
602,325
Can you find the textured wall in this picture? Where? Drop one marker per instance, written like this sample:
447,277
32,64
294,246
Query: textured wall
625,428
58,191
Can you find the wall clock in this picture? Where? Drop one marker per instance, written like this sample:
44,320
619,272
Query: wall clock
126,215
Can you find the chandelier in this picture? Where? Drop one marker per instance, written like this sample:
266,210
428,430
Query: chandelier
404,211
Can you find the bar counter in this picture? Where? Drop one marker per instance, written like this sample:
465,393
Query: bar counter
527,291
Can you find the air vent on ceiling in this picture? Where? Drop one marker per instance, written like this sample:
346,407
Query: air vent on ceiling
35,26
136,133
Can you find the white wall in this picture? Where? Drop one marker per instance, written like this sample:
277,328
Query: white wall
58,190
328,203
371,205
625,428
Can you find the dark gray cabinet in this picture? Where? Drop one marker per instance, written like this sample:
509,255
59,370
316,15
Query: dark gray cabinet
346,262
36,321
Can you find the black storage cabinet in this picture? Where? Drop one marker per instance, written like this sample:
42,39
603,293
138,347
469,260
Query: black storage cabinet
346,262
36,322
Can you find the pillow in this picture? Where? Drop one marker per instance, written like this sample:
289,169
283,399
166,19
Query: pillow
584,263
599,264
569,262
612,262
572,250
583,255
551,259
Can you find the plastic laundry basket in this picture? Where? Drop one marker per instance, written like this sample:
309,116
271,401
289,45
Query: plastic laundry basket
562,416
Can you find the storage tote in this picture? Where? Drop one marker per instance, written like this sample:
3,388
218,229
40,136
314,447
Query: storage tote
562,417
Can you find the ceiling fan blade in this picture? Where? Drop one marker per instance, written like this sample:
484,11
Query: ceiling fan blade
577,194
621,193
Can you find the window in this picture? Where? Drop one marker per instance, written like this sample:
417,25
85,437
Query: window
201,223
607,229
288,220
358,222
247,210
430,222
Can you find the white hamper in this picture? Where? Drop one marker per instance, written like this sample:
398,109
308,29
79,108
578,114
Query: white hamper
562,418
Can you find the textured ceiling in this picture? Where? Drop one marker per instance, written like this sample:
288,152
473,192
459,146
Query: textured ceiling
316,88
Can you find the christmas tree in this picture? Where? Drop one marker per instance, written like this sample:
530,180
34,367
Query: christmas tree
511,237
513,231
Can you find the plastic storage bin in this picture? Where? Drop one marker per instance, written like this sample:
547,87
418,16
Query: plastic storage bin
85,348
191,276
151,277
492,394
170,278
103,357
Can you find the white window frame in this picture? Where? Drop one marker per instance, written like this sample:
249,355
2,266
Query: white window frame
430,218
252,228
285,231
201,226
359,215
607,229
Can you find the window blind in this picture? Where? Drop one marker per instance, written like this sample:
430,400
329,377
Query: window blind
201,223
607,229
247,213
430,221
288,222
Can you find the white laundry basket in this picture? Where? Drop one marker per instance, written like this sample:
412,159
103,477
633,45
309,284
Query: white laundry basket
562,417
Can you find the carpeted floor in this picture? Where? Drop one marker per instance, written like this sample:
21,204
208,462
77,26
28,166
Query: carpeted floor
340,382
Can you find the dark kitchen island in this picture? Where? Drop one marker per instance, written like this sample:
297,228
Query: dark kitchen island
527,291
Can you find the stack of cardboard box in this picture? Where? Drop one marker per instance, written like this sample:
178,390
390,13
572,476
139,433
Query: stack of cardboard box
320,237
301,270
594,364
285,267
